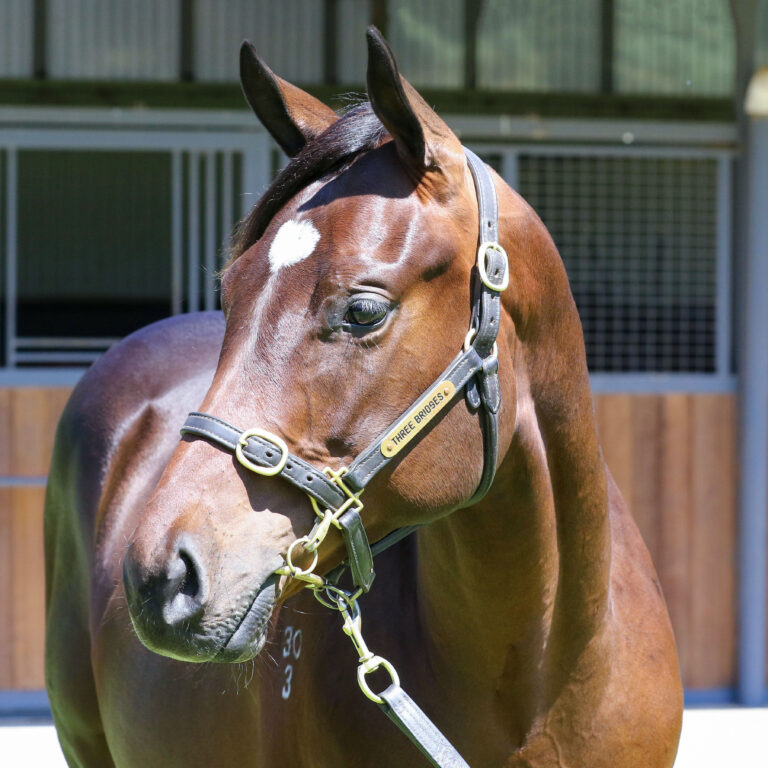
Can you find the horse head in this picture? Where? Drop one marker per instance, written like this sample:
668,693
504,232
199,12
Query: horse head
348,291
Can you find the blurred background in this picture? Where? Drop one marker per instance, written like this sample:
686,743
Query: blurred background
635,128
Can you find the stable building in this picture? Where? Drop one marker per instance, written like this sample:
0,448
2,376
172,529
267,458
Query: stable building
637,129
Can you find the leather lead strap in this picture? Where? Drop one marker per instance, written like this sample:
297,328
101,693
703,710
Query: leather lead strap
403,711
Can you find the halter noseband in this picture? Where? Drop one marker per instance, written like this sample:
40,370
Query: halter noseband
335,494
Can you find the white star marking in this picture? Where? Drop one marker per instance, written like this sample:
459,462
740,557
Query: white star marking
294,241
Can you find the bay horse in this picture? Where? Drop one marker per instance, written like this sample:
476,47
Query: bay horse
529,626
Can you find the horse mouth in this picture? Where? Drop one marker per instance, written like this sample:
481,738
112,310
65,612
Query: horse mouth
250,633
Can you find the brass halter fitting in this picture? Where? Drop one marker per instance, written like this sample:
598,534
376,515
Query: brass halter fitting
330,517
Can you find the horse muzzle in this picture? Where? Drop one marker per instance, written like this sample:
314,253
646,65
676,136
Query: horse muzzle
190,610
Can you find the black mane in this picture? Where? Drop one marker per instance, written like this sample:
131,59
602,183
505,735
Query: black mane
358,131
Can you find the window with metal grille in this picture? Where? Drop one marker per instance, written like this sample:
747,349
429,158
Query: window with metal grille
427,37
96,242
675,47
98,268
641,239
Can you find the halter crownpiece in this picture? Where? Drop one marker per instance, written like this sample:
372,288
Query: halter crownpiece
335,494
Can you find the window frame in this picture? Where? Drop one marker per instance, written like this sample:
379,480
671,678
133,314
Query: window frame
204,132
194,134
723,378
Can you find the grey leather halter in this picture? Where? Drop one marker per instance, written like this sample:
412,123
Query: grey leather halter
335,495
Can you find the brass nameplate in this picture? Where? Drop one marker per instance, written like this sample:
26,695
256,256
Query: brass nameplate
417,418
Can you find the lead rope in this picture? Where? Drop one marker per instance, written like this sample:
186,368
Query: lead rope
396,704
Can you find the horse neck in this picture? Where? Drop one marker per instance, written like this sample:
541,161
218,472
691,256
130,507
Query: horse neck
514,589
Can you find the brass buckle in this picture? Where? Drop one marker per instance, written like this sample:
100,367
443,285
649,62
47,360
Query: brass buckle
482,268
270,438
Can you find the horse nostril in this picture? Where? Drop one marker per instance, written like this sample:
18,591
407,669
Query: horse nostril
190,582
183,592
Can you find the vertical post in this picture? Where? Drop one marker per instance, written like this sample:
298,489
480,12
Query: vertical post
607,25
227,217
472,11
511,162
39,39
193,231
11,254
256,171
176,234
380,16
754,407
4,294
187,41
209,221
330,41
724,292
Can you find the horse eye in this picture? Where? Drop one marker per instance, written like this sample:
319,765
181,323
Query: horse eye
366,312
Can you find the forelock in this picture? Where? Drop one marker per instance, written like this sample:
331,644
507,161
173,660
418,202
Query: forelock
356,132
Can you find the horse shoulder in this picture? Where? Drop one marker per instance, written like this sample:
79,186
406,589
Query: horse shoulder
129,399
627,674
166,366
643,642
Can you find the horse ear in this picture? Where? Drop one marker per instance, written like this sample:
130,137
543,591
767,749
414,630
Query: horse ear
417,130
291,115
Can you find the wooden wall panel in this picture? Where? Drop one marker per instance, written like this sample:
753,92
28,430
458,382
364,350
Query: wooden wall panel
674,459
614,423
672,455
34,414
28,588
646,480
674,519
28,419
713,541
6,591
22,588
6,433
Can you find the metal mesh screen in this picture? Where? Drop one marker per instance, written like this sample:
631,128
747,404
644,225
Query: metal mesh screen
638,236
15,38
761,46
674,47
287,34
545,46
3,254
352,18
427,37
109,39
